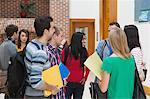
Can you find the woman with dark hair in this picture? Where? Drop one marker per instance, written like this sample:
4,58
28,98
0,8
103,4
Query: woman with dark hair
76,56
135,48
23,40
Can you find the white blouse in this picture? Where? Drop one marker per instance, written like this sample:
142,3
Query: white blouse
138,56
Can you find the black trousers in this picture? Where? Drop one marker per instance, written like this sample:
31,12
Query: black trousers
75,89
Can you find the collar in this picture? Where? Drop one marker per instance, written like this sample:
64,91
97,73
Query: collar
50,47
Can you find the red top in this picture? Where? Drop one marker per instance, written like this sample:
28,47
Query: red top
74,66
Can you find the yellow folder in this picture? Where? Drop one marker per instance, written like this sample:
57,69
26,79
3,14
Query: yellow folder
52,76
93,63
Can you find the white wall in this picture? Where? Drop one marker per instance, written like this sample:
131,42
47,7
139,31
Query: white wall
126,16
90,9
85,9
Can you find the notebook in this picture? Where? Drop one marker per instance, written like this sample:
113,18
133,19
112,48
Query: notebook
93,63
64,71
52,76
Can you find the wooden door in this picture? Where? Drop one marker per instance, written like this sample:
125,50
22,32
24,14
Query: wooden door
88,27
108,14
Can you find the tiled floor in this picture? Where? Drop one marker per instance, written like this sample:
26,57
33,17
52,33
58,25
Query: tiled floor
86,94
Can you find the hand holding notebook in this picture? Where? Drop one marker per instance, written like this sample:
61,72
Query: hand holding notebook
94,63
52,76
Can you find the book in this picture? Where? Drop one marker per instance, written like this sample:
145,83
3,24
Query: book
52,76
64,71
93,63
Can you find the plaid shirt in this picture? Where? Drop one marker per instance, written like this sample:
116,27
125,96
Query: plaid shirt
54,58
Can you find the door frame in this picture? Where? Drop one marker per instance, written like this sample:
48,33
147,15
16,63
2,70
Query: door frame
107,15
91,41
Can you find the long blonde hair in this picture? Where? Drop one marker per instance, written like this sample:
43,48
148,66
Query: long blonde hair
118,42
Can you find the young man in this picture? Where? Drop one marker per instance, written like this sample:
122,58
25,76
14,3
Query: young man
7,50
8,47
104,50
54,56
36,59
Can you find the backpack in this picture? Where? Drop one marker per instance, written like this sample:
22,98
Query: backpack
16,76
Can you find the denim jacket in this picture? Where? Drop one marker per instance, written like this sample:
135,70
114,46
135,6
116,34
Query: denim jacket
103,49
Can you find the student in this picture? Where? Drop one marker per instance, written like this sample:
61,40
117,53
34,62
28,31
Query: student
106,51
118,69
36,59
23,40
7,50
76,56
135,48
54,56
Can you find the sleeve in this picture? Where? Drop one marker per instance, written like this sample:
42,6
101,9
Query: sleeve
39,60
106,66
12,49
138,56
99,48
87,73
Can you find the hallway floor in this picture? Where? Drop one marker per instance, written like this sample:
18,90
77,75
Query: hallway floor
86,94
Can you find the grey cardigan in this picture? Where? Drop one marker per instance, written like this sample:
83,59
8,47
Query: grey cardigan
7,50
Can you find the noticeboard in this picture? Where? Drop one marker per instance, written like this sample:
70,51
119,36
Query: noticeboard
142,10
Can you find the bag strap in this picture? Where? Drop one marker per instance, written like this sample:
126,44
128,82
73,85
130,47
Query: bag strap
38,47
102,49
138,80
109,47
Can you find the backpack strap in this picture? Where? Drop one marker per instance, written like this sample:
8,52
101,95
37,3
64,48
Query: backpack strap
38,47
102,49
109,47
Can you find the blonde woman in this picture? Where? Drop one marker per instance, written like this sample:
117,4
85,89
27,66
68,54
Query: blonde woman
118,69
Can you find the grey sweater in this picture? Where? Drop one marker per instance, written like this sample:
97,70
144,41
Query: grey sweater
7,50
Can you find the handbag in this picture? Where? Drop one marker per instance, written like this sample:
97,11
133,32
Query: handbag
138,92
96,92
